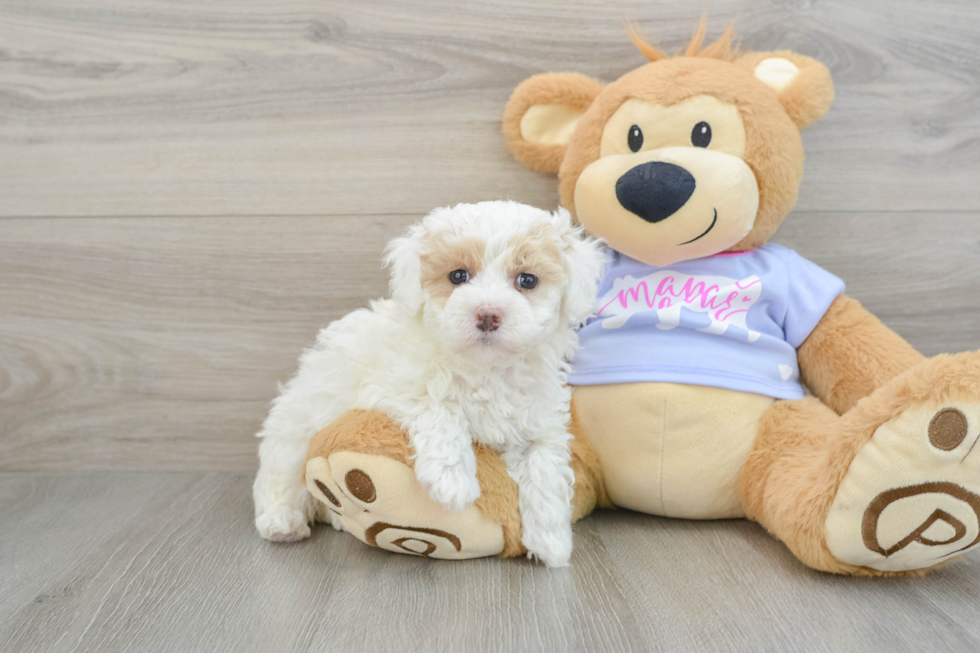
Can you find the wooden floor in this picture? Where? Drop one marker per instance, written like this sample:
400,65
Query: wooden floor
169,562
189,190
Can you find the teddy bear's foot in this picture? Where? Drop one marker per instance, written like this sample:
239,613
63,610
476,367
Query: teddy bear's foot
911,496
359,470
361,474
380,502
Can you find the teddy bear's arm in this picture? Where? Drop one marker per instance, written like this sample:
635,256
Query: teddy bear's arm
850,354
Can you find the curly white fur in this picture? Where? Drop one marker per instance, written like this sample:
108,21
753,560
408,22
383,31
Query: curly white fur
421,358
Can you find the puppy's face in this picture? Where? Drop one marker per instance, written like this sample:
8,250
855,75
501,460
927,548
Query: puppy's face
492,299
495,280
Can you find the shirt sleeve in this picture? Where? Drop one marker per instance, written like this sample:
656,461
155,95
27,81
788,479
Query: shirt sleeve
810,292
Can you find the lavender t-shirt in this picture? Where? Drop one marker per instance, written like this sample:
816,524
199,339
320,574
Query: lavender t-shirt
730,320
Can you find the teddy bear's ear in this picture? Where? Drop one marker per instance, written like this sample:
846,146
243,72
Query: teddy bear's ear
541,115
803,84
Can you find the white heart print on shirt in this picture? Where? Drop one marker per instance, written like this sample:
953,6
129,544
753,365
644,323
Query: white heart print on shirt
785,371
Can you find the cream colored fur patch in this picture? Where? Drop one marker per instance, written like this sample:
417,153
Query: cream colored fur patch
549,124
671,449
776,72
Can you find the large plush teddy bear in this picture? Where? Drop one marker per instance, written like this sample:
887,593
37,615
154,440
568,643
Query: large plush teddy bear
689,393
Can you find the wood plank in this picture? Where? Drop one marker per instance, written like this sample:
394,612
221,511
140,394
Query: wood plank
727,586
335,108
157,344
160,341
165,562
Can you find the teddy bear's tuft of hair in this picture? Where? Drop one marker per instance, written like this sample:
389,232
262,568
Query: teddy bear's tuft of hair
725,48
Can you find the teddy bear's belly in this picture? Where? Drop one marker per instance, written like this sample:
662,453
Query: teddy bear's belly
671,449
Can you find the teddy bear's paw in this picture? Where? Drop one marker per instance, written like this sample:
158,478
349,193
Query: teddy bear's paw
552,547
911,496
380,501
282,524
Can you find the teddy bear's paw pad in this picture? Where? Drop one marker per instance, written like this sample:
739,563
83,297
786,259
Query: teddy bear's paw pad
911,497
282,524
380,501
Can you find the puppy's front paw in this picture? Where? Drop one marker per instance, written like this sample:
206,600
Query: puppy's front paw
454,486
282,524
553,547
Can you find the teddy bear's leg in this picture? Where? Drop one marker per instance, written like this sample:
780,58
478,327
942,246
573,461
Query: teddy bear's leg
892,487
361,472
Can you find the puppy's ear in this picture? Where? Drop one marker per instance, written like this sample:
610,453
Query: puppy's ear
803,84
541,115
402,257
584,259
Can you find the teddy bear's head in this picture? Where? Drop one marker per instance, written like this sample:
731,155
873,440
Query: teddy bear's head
684,157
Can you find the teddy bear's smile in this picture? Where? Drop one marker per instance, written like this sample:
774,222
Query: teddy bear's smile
704,233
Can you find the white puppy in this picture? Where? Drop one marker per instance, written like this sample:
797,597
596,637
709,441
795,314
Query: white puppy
473,346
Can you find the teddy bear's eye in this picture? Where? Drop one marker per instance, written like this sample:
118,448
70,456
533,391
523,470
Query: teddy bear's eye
457,277
701,134
635,138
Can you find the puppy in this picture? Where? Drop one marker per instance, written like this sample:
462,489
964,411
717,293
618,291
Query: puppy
473,346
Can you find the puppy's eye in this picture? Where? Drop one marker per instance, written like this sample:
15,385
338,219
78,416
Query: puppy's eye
635,138
526,281
701,134
457,277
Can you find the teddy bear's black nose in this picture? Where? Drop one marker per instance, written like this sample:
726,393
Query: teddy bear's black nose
655,190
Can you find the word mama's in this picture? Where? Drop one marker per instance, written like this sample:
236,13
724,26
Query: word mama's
726,301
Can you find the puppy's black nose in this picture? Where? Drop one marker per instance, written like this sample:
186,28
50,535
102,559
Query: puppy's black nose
488,320
655,190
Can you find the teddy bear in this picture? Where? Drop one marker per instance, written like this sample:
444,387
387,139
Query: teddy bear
721,375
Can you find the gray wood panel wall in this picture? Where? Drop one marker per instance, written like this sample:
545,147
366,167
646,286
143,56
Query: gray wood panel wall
188,191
